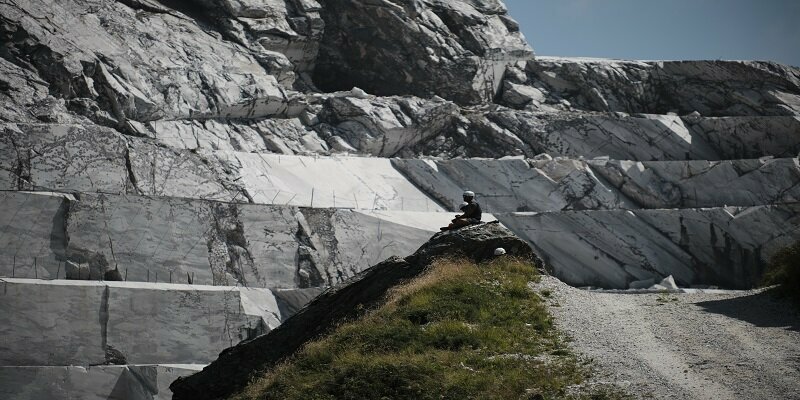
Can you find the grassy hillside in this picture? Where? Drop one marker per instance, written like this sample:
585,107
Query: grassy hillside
459,331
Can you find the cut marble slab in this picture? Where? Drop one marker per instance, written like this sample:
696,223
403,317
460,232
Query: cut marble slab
341,182
726,247
53,157
52,323
691,184
33,234
712,88
510,185
162,239
99,382
514,184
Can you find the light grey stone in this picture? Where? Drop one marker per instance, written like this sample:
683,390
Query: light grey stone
139,322
176,240
711,88
667,283
414,47
101,382
726,247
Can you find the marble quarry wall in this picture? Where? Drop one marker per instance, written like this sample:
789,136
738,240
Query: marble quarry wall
726,247
166,162
99,382
127,322
86,236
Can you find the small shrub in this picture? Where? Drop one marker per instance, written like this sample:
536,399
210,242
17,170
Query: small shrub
784,270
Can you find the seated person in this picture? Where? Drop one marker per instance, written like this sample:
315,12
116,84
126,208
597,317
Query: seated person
471,213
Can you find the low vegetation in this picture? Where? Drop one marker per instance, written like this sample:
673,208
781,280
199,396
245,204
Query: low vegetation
460,331
784,270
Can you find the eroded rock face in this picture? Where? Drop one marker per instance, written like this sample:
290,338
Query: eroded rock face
711,88
235,366
108,323
728,246
457,49
173,240
85,54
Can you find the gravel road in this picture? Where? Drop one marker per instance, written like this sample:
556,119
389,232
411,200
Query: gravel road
729,345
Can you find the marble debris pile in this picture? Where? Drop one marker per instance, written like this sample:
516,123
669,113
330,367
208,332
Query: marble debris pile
282,146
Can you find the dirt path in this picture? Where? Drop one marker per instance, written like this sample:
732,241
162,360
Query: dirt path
731,345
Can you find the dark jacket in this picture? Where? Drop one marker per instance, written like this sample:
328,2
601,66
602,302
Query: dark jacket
472,211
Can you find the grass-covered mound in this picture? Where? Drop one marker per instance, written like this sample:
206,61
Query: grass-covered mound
459,331
784,270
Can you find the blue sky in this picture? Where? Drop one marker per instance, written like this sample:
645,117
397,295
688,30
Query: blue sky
663,29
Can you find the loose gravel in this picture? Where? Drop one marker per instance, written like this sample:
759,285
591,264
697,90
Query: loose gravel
723,345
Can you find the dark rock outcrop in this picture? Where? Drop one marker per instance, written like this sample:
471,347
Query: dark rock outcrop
454,49
235,366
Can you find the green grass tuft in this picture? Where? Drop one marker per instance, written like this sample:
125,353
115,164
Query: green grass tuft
459,331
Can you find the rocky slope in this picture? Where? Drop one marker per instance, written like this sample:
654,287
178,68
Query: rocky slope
286,145
236,366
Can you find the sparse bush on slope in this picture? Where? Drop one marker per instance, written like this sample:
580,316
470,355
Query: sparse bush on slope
459,331
784,270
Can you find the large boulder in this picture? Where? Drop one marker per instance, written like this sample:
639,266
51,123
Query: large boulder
236,365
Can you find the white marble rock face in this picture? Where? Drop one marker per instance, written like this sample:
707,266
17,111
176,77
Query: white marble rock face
566,184
172,240
58,323
272,148
101,382
726,246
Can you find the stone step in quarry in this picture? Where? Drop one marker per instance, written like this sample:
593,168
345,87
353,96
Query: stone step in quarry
726,247
223,243
61,322
547,184
96,159
708,88
408,127
76,158
160,239
99,382
124,340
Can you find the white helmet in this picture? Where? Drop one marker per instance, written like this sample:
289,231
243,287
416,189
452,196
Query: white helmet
469,193
499,251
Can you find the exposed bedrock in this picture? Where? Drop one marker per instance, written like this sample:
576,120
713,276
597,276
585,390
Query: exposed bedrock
457,50
518,184
136,60
99,382
52,323
92,158
84,236
643,137
690,184
726,247
514,184
236,365
710,88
